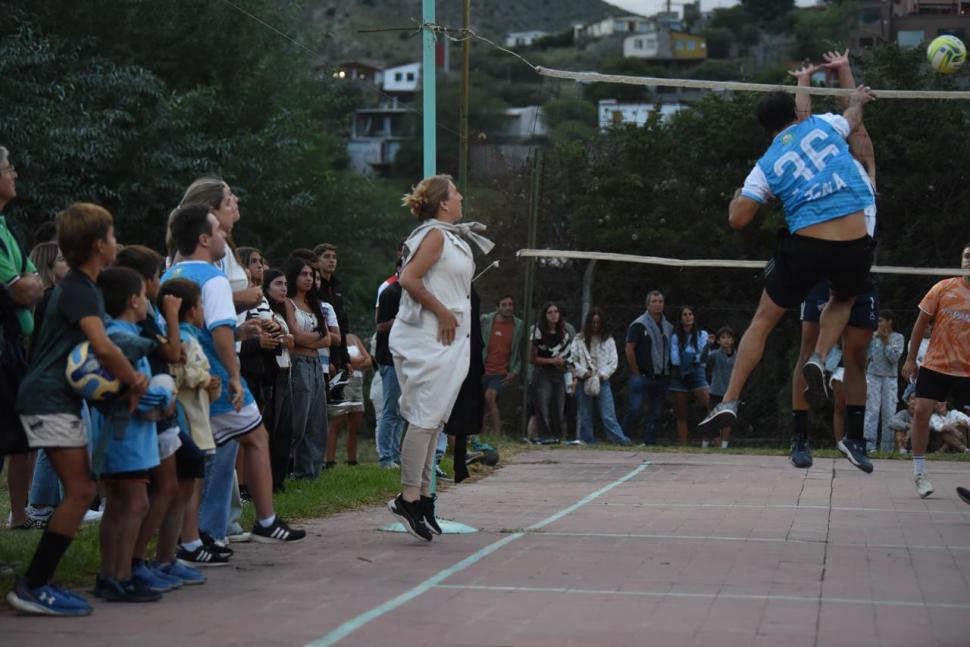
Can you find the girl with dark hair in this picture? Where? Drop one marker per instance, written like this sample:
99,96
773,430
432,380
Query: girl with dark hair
308,393
594,360
688,357
279,406
551,343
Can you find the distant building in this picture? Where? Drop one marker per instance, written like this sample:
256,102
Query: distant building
613,113
376,137
359,71
909,23
665,45
523,123
523,38
615,25
402,78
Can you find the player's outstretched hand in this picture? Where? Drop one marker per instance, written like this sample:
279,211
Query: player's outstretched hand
861,96
834,60
805,72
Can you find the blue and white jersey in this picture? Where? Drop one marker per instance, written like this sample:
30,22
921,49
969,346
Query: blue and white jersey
809,168
219,311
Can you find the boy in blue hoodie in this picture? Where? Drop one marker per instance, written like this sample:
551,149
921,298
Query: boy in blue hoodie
125,443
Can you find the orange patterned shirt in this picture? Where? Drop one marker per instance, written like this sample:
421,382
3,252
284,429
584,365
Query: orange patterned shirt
948,302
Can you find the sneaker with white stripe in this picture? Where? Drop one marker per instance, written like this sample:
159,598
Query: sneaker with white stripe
201,556
279,531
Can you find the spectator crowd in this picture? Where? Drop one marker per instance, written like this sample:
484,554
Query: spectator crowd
189,381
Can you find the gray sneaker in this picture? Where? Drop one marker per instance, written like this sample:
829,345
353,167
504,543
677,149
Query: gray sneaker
723,415
816,390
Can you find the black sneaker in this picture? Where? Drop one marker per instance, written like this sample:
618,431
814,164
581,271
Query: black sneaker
427,509
855,450
201,556
964,494
801,455
213,546
130,590
816,390
411,516
279,531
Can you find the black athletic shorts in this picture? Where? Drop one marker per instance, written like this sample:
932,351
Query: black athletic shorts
934,385
801,262
189,463
865,310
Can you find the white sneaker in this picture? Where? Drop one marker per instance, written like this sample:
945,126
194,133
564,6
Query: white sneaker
92,516
903,451
923,485
43,513
239,537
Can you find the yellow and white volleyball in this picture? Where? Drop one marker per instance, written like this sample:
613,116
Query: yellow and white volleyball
88,377
946,54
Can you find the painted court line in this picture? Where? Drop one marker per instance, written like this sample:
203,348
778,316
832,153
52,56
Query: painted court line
356,623
706,596
768,540
786,506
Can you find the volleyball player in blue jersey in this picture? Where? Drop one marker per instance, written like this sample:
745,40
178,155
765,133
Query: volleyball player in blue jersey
809,168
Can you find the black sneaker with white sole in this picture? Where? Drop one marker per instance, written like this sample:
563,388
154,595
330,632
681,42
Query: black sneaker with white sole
427,510
277,532
215,547
816,390
201,556
855,450
411,515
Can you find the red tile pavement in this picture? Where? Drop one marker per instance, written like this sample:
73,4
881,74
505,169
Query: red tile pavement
697,549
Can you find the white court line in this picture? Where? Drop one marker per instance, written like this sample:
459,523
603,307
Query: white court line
356,623
787,506
768,540
707,596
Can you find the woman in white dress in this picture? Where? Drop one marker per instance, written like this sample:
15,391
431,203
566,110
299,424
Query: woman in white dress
430,339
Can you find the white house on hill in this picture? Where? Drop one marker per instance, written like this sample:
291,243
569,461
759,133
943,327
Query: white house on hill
523,38
402,78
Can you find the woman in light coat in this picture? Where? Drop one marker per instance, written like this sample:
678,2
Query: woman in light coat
430,340
593,358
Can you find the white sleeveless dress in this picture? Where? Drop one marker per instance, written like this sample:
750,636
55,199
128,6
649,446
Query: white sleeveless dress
430,373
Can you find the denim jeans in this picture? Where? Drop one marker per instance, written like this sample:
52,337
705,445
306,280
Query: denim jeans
391,425
607,413
655,389
309,398
45,487
550,390
220,469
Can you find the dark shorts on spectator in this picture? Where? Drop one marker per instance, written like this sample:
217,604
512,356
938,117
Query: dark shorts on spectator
494,382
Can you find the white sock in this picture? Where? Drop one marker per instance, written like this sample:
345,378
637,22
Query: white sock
919,465
268,521
192,545
724,444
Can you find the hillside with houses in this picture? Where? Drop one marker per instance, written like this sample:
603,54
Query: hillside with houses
513,107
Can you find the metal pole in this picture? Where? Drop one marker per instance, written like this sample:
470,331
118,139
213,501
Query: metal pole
530,271
430,98
466,54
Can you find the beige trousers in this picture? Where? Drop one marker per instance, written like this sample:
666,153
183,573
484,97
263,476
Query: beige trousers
417,461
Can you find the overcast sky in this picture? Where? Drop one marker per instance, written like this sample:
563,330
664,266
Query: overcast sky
650,7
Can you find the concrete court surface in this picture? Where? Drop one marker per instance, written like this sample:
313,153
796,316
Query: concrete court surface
585,547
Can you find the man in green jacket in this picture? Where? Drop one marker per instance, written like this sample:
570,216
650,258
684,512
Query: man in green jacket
502,332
